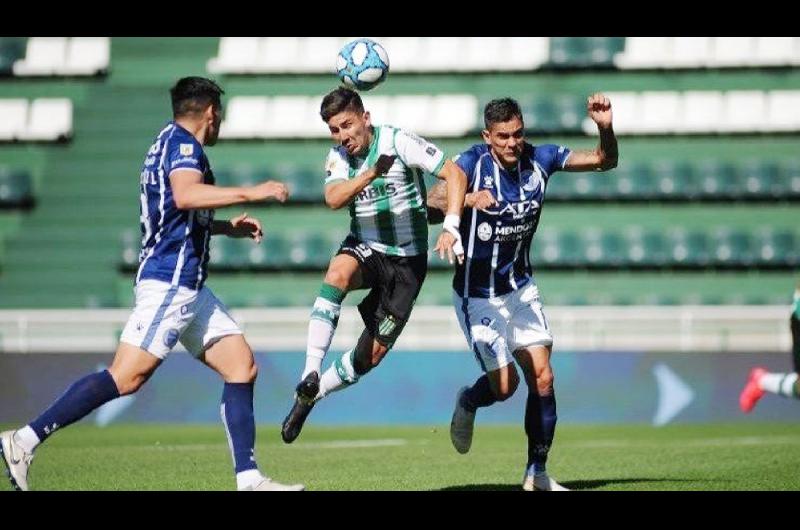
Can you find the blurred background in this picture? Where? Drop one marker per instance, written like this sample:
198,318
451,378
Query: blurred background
664,279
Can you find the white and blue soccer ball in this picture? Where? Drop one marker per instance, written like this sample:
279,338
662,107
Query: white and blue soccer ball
362,64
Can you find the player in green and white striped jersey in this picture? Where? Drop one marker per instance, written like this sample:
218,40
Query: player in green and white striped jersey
378,172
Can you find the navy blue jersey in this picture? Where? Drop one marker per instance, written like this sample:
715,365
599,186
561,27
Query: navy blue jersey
174,242
497,242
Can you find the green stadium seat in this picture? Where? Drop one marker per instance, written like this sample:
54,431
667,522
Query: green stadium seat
11,49
688,249
733,248
237,175
588,186
760,179
130,242
539,114
305,184
632,181
789,172
16,189
570,110
646,248
674,180
717,180
777,248
584,52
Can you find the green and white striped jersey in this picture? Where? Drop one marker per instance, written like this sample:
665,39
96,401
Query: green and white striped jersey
390,215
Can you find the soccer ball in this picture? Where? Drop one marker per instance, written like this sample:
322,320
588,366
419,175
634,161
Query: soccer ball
362,64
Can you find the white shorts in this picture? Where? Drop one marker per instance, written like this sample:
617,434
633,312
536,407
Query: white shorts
164,315
496,327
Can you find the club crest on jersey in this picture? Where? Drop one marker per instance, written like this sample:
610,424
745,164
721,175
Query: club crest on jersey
484,232
187,149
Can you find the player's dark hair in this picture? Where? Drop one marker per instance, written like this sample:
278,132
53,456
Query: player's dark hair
340,100
193,94
501,110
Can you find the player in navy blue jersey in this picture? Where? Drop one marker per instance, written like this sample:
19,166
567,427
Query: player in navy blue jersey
495,294
177,201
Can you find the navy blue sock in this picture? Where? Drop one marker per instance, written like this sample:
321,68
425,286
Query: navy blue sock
240,424
540,426
478,395
80,399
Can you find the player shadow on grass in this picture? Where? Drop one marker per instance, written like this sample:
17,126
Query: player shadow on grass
575,485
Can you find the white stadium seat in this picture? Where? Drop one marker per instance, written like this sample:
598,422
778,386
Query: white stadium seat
439,54
743,111
403,52
625,107
453,115
278,55
318,54
777,51
732,51
13,118
483,54
378,108
689,52
291,117
526,53
86,56
702,111
783,110
411,113
245,117
236,55
644,52
49,119
659,112
43,56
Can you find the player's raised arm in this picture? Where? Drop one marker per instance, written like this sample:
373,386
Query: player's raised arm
190,193
339,193
605,156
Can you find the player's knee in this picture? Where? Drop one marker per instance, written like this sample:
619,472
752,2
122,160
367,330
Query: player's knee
544,382
337,278
507,387
252,373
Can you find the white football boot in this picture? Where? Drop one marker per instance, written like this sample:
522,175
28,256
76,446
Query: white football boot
16,459
541,482
267,484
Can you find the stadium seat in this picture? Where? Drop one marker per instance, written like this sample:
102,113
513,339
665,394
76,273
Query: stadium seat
789,172
305,184
236,55
688,248
644,52
702,111
11,50
452,115
292,117
483,54
659,112
779,248
318,54
50,119
717,179
588,186
689,52
626,114
777,51
633,181
525,53
731,52
130,244
245,117
674,179
13,118
86,56
645,248
733,248
783,110
743,111
569,52
439,54
412,113
404,52
43,56
278,55
760,179
16,190
539,114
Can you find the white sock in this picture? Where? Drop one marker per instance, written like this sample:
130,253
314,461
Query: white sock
27,439
251,477
321,327
781,384
339,375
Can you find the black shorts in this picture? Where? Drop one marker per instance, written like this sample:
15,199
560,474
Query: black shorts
394,283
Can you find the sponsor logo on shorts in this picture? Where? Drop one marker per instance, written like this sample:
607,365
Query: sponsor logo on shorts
171,338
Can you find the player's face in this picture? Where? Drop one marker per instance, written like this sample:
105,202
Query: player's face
506,140
214,115
352,130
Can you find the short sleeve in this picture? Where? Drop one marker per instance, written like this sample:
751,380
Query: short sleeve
187,154
418,152
552,157
466,161
336,166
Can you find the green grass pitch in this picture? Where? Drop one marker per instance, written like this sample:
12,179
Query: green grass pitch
746,456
